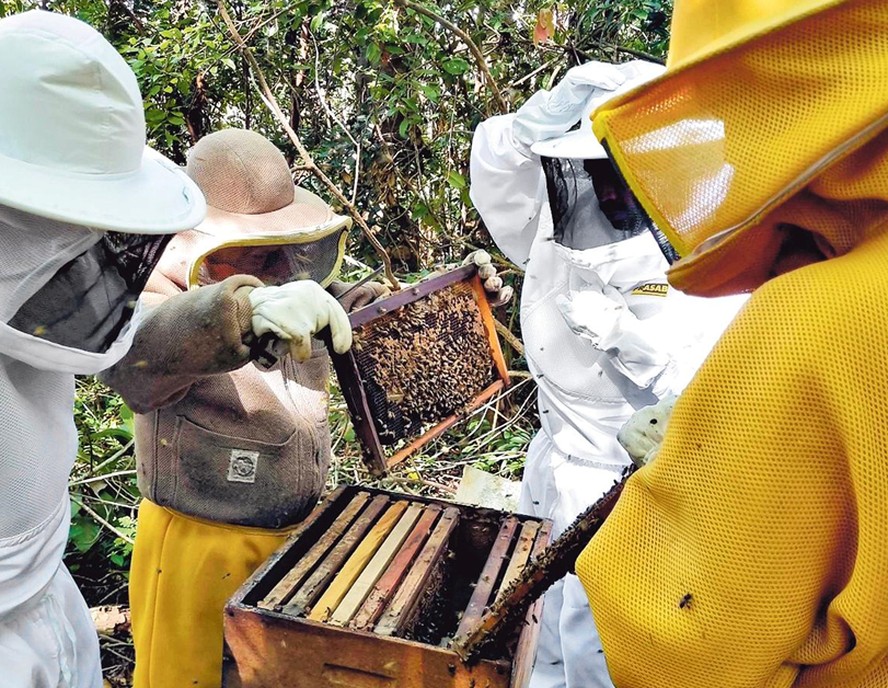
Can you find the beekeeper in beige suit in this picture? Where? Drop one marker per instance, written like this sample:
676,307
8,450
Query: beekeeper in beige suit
231,454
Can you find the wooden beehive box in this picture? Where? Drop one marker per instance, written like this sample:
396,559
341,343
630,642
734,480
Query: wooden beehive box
370,589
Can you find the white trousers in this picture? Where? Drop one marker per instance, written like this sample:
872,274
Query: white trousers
51,642
554,486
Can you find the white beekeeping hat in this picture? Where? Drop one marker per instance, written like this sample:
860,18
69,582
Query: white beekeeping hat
72,133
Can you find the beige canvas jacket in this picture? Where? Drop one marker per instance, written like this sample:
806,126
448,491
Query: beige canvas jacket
217,436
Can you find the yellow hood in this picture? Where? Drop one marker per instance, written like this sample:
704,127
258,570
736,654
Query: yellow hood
742,151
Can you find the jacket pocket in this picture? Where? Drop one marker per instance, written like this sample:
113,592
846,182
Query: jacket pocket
246,482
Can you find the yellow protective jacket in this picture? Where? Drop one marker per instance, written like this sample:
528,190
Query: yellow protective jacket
753,552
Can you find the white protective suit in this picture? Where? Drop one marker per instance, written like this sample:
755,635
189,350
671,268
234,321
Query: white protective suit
72,148
584,394
46,632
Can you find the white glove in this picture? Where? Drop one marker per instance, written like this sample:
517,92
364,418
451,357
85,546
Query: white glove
295,312
592,316
552,113
497,294
643,433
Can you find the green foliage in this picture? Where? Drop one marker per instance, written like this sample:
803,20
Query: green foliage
615,26
384,97
103,492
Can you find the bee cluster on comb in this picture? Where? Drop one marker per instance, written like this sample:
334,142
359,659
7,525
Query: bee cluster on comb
422,359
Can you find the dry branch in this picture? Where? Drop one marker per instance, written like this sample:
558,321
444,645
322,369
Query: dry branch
552,564
507,334
111,619
270,101
92,512
465,38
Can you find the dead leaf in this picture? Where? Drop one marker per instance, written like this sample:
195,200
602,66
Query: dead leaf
545,27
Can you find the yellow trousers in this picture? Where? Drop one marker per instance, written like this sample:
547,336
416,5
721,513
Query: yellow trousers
183,571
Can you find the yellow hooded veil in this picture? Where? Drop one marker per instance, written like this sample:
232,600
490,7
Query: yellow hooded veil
759,101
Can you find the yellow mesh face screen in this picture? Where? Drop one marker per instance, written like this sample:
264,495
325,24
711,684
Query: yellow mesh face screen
753,551
273,262
713,148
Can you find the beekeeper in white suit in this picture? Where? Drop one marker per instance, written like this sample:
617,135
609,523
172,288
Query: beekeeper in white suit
84,209
603,332
85,212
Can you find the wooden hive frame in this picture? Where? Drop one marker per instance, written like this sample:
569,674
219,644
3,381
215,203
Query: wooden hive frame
273,648
350,380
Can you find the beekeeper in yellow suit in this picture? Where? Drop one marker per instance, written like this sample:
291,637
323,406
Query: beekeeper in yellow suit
753,550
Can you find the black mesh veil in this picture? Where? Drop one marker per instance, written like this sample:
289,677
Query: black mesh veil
581,191
663,242
91,298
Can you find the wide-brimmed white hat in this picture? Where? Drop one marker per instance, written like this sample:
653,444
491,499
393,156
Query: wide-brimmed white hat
581,143
72,133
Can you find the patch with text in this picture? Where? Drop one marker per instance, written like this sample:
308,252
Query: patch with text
651,289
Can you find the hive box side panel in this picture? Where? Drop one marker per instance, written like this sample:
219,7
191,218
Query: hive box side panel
525,652
274,652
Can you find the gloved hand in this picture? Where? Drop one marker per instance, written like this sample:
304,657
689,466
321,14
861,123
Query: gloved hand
358,297
592,315
552,113
295,312
497,294
643,433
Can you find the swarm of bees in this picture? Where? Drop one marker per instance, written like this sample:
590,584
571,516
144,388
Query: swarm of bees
424,361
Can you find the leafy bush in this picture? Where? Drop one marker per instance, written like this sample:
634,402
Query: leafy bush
104,495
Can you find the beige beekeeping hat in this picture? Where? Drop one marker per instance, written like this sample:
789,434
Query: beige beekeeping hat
253,203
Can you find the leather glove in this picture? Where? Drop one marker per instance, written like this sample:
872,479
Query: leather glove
295,312
643,433
497,294
552,113
358,297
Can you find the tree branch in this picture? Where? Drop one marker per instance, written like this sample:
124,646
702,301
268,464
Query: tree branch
307,161
510,338
465,38
92,512
529,76
408,182
629,51
322,97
